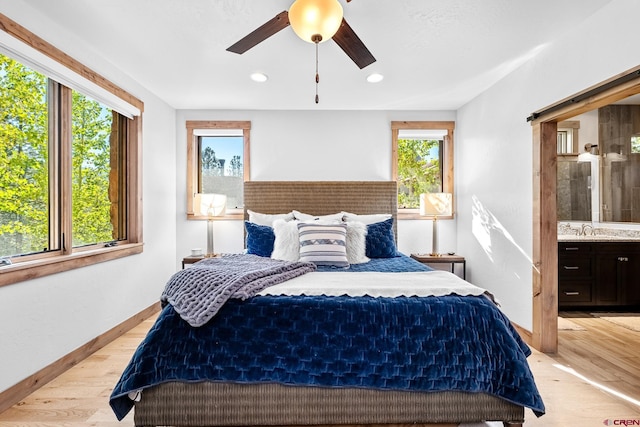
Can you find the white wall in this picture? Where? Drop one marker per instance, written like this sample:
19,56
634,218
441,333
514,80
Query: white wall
588,133
42,320
307,146
494,149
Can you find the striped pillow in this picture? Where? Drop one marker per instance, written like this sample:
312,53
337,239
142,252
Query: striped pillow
323,244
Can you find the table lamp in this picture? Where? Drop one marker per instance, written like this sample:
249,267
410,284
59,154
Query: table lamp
211,205
434,205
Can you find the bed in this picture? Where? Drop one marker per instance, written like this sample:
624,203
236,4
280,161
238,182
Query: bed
352,359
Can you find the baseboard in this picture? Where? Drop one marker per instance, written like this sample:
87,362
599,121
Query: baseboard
14,394
525,334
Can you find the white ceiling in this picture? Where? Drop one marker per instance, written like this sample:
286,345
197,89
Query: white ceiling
434,54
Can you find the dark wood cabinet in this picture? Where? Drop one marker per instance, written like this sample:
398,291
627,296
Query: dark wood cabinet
598,274
575,274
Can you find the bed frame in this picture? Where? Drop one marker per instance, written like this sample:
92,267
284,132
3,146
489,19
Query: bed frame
226,404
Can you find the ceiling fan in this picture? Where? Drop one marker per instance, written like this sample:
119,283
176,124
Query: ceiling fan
314,21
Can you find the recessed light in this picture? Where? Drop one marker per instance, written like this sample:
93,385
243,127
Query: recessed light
375,78
259,77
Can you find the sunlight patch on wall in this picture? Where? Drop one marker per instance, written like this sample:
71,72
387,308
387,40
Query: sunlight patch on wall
487,230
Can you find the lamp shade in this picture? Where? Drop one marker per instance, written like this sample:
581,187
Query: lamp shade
436,204
211,204
312,17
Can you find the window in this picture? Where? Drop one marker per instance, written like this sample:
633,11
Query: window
217,162
98,173
635,144
69,168
568,137
221,167
422,162
24,159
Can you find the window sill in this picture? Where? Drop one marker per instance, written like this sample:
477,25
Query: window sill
411,214
229,216
33,269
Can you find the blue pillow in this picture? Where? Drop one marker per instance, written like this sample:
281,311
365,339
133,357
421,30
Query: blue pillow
380,240
260,239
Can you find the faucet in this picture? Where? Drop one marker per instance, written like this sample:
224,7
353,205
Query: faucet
584,228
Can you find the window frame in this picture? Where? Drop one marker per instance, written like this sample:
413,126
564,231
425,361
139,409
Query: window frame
193,160
27,267
447,156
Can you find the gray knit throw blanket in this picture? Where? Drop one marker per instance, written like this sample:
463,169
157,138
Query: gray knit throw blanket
198,292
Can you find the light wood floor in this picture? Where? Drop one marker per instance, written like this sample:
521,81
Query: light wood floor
605,354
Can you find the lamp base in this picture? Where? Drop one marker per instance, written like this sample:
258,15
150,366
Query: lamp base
434,238
212,255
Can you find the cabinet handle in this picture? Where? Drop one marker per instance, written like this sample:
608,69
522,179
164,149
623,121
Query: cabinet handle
571,249
572,293
569,267
623,258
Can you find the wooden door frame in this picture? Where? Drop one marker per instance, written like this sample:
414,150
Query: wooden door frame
545,239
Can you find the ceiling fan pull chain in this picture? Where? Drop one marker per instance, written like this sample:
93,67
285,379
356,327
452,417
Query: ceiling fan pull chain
317,39
317,75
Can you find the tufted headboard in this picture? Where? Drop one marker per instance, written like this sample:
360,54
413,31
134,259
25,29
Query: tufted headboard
322,197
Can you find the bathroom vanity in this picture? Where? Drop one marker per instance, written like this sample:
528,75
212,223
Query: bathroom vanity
598,272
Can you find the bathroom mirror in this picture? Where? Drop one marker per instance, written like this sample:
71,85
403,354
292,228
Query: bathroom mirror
599,165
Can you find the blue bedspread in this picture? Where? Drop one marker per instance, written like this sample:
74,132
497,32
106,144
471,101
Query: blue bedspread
430,344
398,264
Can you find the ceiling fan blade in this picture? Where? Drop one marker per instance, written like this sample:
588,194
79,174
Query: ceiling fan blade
348,41
261,33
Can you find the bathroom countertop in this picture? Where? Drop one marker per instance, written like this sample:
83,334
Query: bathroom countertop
596,238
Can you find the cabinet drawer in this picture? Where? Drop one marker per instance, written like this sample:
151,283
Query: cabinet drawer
574,292
574,267
568,248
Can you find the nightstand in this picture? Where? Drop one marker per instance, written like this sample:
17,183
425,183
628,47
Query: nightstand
191,260
443,259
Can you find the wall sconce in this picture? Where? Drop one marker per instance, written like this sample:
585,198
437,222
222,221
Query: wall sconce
434,205
211,206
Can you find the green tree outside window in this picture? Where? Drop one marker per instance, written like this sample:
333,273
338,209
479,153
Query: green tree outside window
419,170
24,175
24,167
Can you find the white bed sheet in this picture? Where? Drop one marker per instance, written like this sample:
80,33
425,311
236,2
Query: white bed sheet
375,284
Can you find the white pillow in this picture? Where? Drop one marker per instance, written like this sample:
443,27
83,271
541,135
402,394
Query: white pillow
366,219
356,242
306,217
287,244
323,244
267,219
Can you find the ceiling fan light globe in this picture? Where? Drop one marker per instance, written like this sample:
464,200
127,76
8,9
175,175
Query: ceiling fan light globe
309,18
